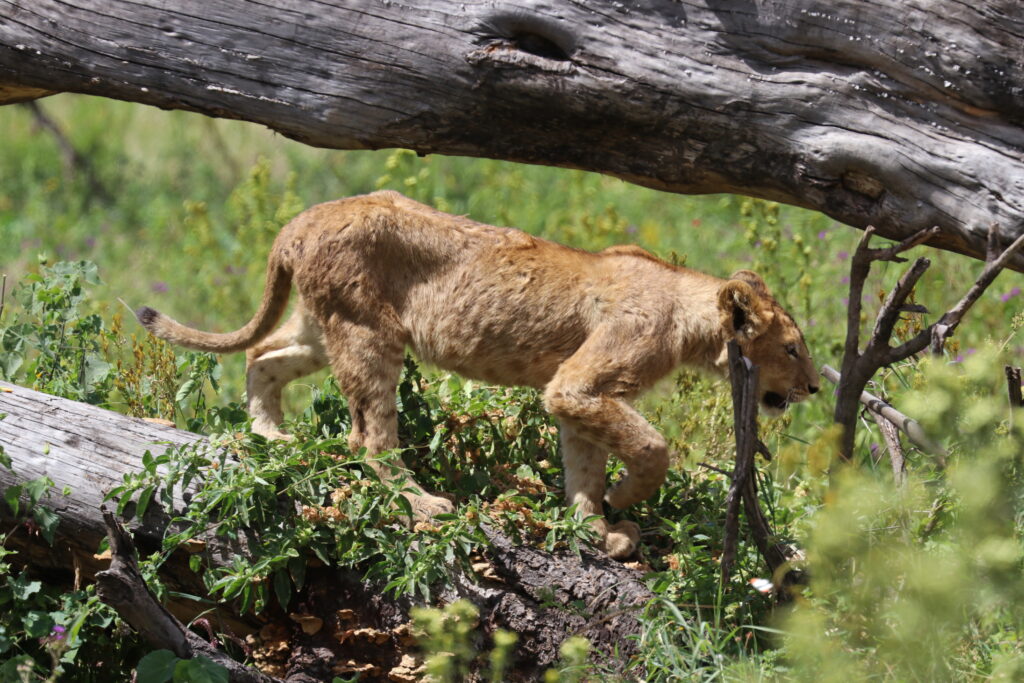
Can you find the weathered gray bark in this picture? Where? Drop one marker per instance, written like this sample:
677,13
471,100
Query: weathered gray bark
544,597
87,451
898,113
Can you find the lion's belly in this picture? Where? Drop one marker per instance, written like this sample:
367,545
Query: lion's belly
496,331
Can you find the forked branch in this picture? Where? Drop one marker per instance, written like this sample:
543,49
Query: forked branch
744,482
859,367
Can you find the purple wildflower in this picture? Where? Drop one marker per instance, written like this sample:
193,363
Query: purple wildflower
1009,295
631,229
822,235
159,287
57,634
843,255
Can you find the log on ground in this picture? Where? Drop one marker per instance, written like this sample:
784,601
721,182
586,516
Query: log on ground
544,597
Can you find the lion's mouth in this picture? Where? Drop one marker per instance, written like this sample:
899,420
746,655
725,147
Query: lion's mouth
774,402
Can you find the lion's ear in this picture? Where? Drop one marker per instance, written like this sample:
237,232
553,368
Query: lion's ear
745,312
752,279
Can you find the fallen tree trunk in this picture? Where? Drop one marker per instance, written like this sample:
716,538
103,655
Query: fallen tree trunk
544,597
902,114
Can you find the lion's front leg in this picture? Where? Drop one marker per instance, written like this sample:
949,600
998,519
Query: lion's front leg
579,394
584,487
617,427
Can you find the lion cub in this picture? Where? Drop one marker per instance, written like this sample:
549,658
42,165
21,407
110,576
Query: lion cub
380,273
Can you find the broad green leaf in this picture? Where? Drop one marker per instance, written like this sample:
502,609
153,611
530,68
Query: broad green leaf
297,569
143,502
22,590
199,669
184,390
156,667
37,623
283,588
48,521
11,497
36,488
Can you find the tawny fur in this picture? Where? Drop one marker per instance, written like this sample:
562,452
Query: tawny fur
380,273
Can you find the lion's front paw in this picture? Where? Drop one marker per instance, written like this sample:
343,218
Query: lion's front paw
426,507
270,432
622,539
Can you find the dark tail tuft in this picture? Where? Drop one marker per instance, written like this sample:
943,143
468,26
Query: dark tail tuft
147,315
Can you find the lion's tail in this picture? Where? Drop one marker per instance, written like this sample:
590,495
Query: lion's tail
275,299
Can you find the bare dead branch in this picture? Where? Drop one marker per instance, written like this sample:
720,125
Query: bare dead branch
992,268
891,436
859,367
894,304
123,588
468,79
776,554
1013,386
744,380
860,266
907,425
890,253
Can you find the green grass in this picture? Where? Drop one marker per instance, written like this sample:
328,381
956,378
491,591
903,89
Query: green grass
194,203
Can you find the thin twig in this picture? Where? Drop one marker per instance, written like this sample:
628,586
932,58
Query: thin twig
709,466
992,268
890,253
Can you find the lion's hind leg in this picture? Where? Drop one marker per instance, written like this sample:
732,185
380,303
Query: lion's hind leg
367,366
292,351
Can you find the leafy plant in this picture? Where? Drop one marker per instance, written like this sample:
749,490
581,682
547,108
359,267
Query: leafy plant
923,582
57,348
162,666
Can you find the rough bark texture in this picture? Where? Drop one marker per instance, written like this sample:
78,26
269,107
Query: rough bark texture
544,597
87,451
898,113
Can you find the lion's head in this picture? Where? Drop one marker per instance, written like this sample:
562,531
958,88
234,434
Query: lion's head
770,339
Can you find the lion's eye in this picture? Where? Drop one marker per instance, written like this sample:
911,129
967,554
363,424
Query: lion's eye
791,350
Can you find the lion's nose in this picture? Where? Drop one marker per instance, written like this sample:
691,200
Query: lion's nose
812,389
